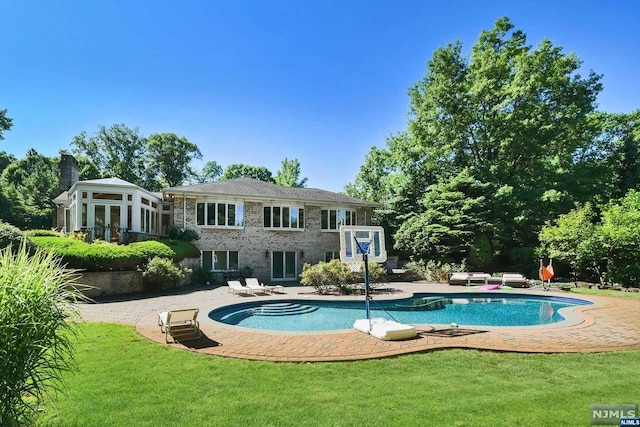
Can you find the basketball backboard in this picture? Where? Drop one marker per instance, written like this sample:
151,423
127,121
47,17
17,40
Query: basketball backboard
370,239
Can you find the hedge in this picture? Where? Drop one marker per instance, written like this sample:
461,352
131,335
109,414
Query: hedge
101,256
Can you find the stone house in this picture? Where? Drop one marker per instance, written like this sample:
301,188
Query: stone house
243,223
272,230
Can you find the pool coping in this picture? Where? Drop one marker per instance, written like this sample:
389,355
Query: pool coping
571,315
610,324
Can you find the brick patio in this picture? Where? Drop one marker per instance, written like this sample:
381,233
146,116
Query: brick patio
610,324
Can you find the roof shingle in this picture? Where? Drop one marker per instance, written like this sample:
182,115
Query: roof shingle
254,188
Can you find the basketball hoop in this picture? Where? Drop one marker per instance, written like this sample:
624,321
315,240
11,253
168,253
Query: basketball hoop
370,241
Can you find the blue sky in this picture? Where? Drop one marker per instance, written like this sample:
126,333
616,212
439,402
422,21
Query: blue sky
255,82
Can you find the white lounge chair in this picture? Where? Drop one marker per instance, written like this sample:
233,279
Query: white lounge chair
255,285
384,329
238,288
459,278
478,278
182,325
514,279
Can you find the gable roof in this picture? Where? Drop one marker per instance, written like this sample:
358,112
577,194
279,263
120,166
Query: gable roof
256,189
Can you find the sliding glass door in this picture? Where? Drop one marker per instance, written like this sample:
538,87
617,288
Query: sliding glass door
284,265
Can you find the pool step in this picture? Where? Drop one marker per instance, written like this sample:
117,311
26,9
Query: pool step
282,309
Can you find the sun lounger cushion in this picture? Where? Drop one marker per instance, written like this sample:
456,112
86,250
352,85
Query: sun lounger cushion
458,279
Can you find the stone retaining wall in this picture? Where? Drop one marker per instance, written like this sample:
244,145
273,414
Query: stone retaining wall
118,282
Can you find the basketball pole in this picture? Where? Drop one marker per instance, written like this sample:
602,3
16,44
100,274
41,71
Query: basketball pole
365,258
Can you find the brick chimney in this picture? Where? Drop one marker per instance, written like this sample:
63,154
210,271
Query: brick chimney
69,172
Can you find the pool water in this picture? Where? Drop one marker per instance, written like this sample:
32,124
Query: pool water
422,309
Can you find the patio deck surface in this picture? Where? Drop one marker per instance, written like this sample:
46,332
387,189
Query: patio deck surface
610,324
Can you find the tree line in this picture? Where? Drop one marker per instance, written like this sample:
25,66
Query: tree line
499,144
161,160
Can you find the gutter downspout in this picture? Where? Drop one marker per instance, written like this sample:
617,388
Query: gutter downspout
184,211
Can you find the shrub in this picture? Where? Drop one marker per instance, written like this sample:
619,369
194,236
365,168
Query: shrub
186,234
12,236
377,275
182,249
327,277
35,332
336,276
101,255
43,232
202,276
434,271
161,271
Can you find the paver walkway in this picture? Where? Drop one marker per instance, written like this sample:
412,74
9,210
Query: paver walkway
610,324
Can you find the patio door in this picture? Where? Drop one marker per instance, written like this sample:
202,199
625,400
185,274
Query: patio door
106,222
284,265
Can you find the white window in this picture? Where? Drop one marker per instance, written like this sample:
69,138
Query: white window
332,219
329,255
220,260
219,214
287,217
148,216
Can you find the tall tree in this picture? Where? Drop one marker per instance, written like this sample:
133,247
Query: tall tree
117,151
210,172
515,115
610,167
29,186
5,123
238,170
621,238
575,238
289,174
453,219
369,183
5,160
170,156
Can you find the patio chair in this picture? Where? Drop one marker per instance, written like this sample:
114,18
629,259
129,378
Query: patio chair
458,278
238,288
515,279
478,278
182,325
255,285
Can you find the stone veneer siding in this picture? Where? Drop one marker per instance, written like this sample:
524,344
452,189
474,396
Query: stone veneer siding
253,241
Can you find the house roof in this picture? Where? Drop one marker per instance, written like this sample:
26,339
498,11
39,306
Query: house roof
114,182
254,188
109,181
62,199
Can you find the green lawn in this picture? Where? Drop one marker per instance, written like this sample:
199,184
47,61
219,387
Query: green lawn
126,380
606,292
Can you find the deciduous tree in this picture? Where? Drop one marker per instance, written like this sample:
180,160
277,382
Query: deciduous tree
117,151
29,186
238,170
575,238
171,156
5,123
289,174
210,172
514,114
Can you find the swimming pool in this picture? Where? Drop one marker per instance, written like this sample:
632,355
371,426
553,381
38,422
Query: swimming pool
476,309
